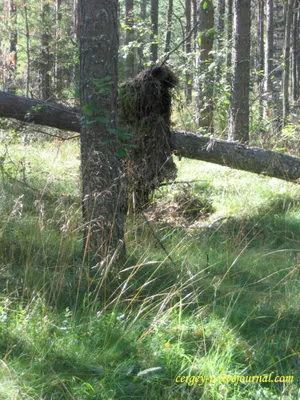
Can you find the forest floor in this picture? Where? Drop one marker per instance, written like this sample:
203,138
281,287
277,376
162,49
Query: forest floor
207,305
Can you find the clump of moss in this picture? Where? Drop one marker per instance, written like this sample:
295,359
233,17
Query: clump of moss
145,110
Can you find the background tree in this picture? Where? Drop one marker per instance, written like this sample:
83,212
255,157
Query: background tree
154,30
268,88
169,16
188,49
289,5
239,105
204,101
129,37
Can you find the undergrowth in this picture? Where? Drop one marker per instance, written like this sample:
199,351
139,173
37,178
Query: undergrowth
210,289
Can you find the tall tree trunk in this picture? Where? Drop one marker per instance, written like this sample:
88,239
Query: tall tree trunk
100,165
56,76
260,52
229,41
169,26
188,50
129,36
46,62
141,36
220,37
239,105
154,31
295,60
286,58
13,40
268,83
204,92
143,8
27,33
278,47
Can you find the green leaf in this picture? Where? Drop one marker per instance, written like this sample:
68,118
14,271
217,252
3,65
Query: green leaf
121,152
204,5
102,120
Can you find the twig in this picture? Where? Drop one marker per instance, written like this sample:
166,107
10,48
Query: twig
158,240
179,44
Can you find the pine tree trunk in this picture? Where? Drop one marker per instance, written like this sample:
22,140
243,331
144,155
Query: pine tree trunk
154,32
239,105
220,36
129,37
286,58
295,53
169,26
229,41
188,50
204,92
268,84
100,165
260,52
46,63
13,41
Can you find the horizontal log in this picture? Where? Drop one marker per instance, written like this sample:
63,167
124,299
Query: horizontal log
39,112
184,144
235,155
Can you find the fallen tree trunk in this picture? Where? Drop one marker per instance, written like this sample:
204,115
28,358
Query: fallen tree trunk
238,156
189,145
39,112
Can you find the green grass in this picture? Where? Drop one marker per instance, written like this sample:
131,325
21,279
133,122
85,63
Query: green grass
214,293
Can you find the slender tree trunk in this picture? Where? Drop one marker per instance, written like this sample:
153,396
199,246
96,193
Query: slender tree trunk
260,52
100,166
268,83
229,41
239,105
13,41
188,50
295,53
279,18
129,37
169,26
204,93
220,37
46,62
27,50
56,77
143,8
154,32
286,58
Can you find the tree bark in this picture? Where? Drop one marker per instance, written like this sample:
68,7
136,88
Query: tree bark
295,54
129,22
204,87
154,32
234,155
286,58
100,165
168,26
13,42
239,105
188,50
47,60
260,50
268,85
229,42
184,144
220,37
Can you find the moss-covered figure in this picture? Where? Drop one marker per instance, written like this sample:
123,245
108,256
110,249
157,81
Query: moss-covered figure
145,108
